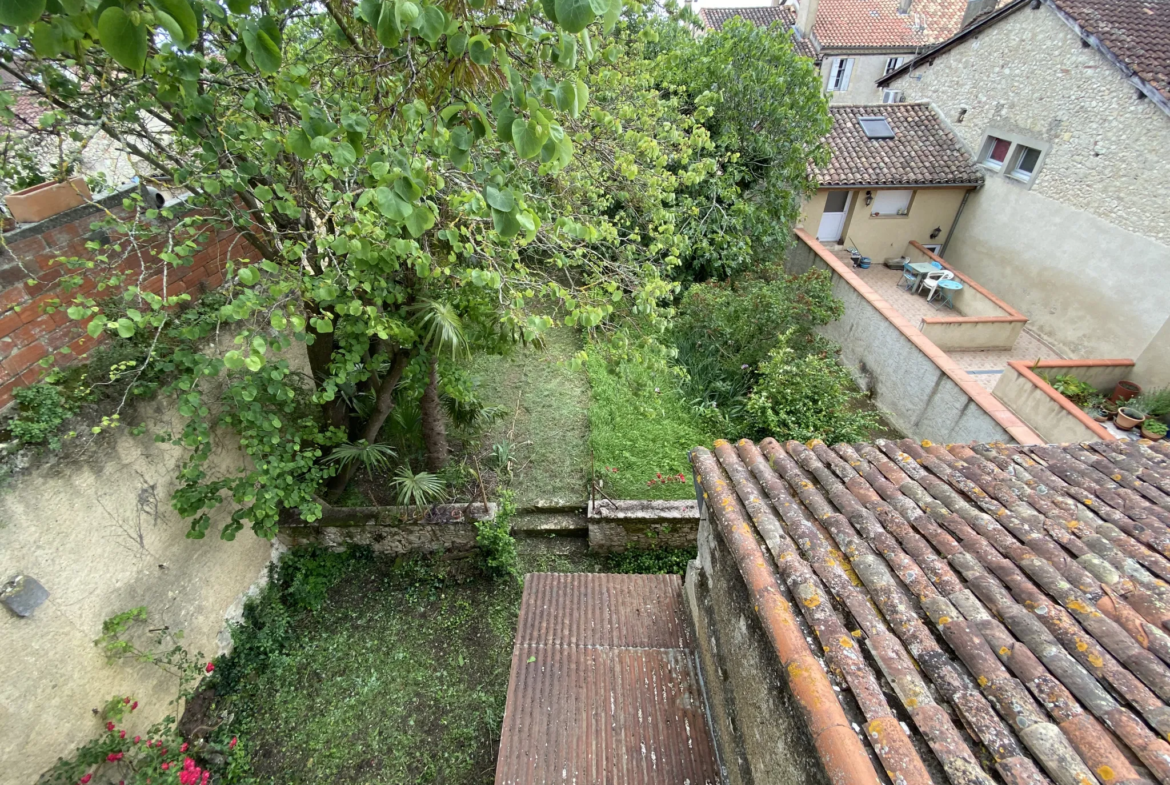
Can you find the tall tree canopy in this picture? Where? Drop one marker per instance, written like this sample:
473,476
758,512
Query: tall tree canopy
419,181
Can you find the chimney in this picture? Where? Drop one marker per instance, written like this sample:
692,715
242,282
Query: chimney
806,17
975,10
904,6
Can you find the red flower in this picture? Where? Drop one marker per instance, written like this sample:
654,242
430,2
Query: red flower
126,699
150,743
122,735
233,742
86,778
183,748
210,667
137,739
166,766
113,756
109,726
133,705
659,475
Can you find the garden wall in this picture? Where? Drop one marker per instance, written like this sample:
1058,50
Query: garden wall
96,528
1024,390
921,390
392,531
615,526
29,282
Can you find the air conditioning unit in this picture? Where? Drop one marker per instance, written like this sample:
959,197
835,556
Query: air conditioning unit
891,96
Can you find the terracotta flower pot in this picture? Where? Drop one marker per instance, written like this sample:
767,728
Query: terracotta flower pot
1125,390
47,199
1151,436
1127,419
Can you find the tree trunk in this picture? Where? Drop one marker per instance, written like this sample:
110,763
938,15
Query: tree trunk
383,405
433,430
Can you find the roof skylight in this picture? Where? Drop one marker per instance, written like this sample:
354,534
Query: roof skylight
876,127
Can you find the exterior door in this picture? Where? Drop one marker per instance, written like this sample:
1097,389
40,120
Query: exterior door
833,219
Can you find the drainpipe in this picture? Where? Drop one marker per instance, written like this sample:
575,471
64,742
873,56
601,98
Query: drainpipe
942,252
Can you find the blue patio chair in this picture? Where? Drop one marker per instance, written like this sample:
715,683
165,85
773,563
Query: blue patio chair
909,278
936,265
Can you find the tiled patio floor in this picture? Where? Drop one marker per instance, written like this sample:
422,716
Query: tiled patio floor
985,367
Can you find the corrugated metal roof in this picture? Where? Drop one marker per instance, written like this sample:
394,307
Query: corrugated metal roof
604,686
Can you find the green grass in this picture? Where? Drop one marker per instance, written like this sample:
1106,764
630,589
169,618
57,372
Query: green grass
641,426
546,419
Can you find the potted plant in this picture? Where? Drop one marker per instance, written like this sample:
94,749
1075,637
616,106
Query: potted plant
1154,430
1097,413
1155,403
1128,417
41,195
1125,390
1110,408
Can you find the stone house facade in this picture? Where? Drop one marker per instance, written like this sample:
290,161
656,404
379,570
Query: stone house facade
1071,225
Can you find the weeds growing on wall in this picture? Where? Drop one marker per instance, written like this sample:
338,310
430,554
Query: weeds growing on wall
650,561
494,540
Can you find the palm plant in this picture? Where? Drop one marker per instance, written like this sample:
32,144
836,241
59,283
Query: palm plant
370,456
417,489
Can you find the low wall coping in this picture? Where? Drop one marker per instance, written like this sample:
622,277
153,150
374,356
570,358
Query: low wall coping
1024,369
971,319
339,517
645,510
994,408
1012,313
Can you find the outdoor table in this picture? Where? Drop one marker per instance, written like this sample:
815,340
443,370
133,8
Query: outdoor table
948,289
920,269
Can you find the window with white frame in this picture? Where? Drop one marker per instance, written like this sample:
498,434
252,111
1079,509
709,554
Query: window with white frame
839,76
894,63
1026,160
995,152
891,203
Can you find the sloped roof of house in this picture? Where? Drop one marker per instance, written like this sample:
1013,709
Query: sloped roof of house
922,151
986,610
764,16
1137,32
1133,34
861,24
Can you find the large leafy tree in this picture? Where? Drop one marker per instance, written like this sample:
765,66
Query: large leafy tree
411,180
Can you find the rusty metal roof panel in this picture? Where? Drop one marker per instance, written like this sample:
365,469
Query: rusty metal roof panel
604,686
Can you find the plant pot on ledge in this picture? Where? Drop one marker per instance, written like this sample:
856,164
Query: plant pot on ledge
47,199
1153,430
1124,391
1127,419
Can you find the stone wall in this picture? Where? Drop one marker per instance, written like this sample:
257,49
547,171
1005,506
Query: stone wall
1077,249
32,329
755,720
393,531
620,525
96,528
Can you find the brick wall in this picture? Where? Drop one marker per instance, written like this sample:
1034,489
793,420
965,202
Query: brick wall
29,283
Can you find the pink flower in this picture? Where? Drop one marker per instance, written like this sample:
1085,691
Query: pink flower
86,778
113,756
166,766
233,742
133,705
137,739
109,726
150,743
126,699
184,749
210,667
122,735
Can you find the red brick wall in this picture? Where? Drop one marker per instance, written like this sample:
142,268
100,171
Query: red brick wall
29,281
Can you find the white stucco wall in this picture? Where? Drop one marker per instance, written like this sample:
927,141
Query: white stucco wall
867,69
1085,251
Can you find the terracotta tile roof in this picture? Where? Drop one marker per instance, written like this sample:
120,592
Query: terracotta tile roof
1137,32
922,152
26,107
1010,603
715,18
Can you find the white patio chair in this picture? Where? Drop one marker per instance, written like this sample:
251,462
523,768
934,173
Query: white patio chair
930,283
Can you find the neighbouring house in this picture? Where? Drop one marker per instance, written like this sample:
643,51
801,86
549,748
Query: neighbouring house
854,42
1065,104
896,175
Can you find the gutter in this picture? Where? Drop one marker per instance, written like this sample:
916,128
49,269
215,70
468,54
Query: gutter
954,224
916,186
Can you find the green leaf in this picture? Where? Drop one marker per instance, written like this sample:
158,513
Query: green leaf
254,362
174,30
612,14
565,96
97,326
528,137
420,220
457,44
182,13
125,328
277,321
406,188
505,223
15,13
504,121
233,360
76,312
262,192
124,40
370,10
344,154
481,50
582,97
499,199
599,6
299,144
575,15
391,204
550,10
239,6
431,23
47,40
407,12
260,41
566,52
249,275
462,137
389,31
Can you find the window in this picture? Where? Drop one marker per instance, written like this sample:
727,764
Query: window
876,127
893,64
1026,160
995,152
890,203
891,96
839,77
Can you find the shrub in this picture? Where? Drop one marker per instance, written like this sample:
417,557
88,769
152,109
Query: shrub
807,397
651,561
41,408
493,537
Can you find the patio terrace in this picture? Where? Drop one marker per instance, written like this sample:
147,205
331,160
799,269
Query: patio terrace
984,366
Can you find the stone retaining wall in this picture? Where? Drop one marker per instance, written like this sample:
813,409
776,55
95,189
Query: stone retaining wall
392,531
617,526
